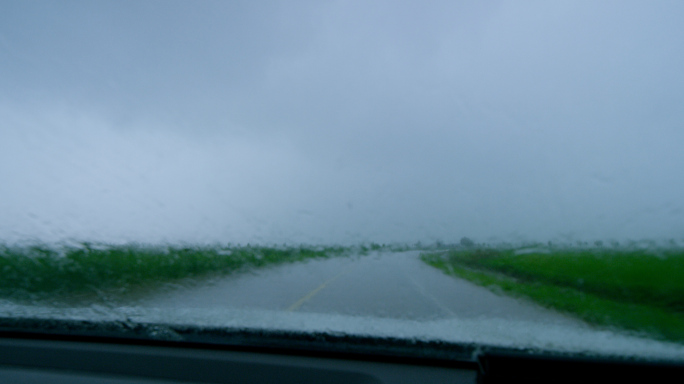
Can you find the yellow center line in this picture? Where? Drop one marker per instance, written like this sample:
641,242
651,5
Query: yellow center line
313,293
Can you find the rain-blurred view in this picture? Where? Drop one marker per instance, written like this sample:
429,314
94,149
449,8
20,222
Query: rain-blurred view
445,143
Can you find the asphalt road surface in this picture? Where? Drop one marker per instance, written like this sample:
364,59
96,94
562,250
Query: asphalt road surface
384,285
381,295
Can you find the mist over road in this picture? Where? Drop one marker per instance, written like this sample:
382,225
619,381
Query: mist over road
386,285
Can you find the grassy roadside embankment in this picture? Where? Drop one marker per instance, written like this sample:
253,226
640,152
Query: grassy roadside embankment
90,272
636,290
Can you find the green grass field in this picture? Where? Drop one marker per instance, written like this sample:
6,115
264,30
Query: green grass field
85,272
637,290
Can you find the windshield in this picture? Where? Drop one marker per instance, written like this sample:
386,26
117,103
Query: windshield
492,173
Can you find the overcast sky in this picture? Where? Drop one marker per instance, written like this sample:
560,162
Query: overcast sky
341,121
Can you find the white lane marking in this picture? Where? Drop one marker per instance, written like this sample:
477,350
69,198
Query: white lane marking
428,296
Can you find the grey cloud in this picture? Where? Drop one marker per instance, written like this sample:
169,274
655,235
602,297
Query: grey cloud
267,121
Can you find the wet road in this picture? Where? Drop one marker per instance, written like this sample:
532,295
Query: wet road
386,285
386,295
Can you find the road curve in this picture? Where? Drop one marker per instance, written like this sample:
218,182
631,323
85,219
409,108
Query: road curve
382,285
380,295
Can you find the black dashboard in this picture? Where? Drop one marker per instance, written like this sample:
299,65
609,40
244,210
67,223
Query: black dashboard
60,361
260,357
